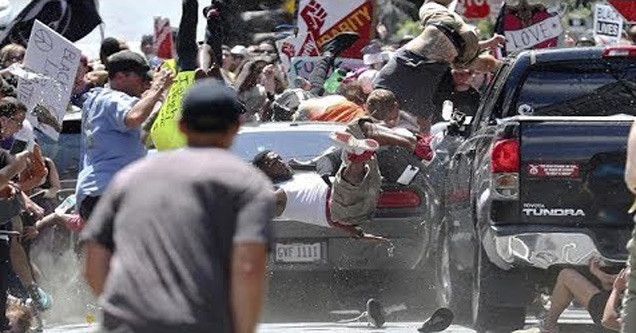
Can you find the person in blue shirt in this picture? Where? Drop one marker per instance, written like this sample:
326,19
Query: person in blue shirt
111,122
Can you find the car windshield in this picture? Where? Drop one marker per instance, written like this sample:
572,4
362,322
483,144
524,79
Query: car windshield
599,88
300,145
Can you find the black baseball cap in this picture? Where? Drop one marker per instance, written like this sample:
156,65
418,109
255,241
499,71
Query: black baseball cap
129,61
211,106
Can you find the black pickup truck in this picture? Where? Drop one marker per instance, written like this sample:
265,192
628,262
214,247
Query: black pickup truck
534,182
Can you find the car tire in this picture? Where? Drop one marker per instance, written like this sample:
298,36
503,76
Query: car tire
488,315
453,287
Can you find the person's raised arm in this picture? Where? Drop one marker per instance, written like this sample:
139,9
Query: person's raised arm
142,110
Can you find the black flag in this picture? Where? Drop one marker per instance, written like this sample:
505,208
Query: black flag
73,19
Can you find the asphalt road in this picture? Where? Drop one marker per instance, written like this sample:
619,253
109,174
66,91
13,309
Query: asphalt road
316,302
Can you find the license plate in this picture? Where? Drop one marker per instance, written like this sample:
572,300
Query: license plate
298,253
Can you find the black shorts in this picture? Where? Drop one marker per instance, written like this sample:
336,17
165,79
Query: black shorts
596,306
414,80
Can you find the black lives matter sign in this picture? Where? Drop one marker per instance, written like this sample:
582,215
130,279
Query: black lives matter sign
608,23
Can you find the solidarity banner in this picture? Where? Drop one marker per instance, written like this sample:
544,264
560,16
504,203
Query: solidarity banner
51,64
321,20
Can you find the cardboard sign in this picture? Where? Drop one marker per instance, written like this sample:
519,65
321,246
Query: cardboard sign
165,131
527,38
292,46
304,66
324,19
608,24
164,40
46,95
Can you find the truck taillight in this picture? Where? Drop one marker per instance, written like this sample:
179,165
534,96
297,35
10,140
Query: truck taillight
504,167
619,52
505,156
398,199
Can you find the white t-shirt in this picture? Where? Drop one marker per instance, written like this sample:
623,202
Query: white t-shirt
306,199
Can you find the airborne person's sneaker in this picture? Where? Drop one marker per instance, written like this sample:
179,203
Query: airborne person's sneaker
375,313
356,150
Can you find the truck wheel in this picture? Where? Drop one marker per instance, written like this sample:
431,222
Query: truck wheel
453,287
488,284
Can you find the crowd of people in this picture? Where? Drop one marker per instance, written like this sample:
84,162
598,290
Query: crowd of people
179,242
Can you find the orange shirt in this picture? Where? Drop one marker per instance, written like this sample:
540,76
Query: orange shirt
343,112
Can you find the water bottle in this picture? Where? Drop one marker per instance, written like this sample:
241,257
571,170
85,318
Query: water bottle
67,204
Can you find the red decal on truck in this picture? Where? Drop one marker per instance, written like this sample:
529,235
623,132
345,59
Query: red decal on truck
553,170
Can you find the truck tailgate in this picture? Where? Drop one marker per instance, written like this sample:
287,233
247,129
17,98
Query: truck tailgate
572,173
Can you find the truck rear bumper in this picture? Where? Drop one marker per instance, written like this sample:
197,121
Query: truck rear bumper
542,249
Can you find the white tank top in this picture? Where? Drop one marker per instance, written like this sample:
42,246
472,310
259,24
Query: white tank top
306,199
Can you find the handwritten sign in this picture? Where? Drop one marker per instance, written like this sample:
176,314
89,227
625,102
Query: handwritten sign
533,35
608,24
165,131
304,66
47,95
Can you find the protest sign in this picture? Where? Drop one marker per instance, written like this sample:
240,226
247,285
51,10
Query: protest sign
529,26
608,24
54,60
163,39
292,46
473,9
304,66
165,131
324,19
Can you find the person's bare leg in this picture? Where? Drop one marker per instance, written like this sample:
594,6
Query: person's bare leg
354,172
570,285
208,66
20,263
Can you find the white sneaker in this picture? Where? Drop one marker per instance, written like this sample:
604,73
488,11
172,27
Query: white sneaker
352,145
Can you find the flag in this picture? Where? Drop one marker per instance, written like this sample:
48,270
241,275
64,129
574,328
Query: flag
73,19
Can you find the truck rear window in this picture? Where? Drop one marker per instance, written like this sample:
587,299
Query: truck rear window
590,88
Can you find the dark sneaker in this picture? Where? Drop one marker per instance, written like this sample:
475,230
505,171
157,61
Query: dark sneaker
441,319
339,43
375,313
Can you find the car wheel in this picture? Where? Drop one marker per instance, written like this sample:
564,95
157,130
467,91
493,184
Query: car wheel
488,314
453,287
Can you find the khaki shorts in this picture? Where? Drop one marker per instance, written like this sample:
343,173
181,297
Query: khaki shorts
355,204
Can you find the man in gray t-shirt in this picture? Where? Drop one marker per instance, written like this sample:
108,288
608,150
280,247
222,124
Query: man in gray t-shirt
178,242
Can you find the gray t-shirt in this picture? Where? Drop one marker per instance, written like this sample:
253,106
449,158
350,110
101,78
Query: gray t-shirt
171,221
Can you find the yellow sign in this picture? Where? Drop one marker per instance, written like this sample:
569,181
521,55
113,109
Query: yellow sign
165,130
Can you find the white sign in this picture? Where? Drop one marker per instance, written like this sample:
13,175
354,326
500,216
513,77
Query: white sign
304,66
608,24
47,95
535,34
292,46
